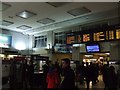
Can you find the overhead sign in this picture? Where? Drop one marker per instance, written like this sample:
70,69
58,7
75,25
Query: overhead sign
5,41
94,36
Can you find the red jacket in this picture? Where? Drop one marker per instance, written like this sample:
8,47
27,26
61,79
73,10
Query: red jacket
52,79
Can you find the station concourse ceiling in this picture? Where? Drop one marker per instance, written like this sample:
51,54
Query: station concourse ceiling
39,17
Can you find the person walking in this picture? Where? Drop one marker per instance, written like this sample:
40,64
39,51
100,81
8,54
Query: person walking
53,79
68,75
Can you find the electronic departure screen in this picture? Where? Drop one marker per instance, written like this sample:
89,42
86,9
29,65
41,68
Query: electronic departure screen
98,36
70,39
108,34
118,34
93,48
79,38
86,37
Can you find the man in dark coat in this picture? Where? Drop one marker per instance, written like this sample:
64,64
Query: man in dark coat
45,71
68,80
31,74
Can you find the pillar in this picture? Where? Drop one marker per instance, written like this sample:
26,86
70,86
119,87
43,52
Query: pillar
115,50
115,53
76,56
50,43
75,53
0,51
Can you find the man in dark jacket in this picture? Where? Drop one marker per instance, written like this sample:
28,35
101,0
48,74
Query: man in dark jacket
45,71
68,80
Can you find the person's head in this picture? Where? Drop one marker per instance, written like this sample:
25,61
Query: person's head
13,62
65,63
111,68
31,62
83,63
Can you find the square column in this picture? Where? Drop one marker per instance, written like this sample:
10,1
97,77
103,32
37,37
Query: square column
50,43
115,50
76,56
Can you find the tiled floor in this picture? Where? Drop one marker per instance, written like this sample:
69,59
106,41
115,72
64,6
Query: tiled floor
99,84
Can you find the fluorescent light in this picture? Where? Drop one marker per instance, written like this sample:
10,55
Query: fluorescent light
88,55
79,11
107,53
6,23
46,21
20,46
57,4
4,38
76,45
24,27
26,14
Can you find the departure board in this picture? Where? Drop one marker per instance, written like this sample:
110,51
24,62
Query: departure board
107,38
118,34
106,34
99,36
79,38
70,39
86,37
110,35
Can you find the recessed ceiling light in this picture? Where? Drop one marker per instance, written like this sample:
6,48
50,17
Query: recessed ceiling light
24,27
4,6
26,14
46,21
57,4
79,11
6,23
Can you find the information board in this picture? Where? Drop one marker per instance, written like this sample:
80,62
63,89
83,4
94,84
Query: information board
106,34
117,33
70,38
99,36
86,37
5,41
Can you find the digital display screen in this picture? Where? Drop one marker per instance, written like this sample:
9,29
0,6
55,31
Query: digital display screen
86,37
70,39
5,41
99,36
63,49
118,34
93,48
94,36
79,38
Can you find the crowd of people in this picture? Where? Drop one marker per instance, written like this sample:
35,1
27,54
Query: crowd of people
63,76
21,75
60,77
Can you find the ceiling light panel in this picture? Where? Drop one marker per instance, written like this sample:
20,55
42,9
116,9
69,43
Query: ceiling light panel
6,23
26,14
57,4
24,27
46,21
79,11
4,6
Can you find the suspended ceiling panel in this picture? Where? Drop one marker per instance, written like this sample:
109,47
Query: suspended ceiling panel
59,13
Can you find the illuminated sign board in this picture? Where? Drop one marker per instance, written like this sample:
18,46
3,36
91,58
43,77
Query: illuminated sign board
86,37
70,38
107,34
110,35
5,41
99,36
117,33
79,38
